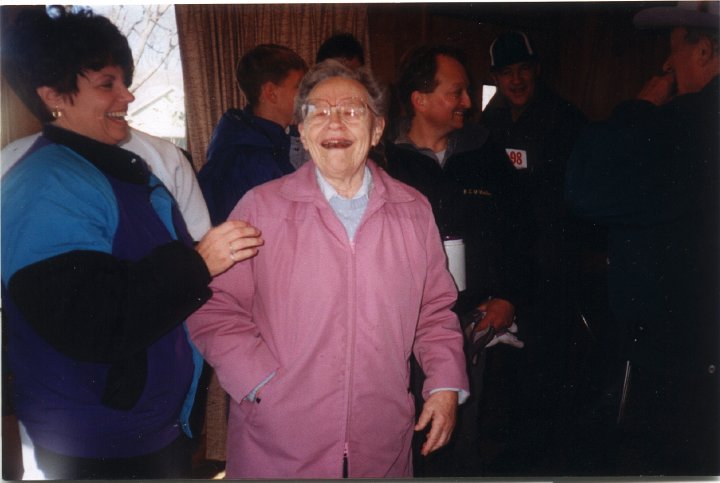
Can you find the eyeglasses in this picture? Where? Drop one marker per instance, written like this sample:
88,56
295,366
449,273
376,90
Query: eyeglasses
350,110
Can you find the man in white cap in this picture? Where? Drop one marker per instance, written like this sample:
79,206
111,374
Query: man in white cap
650,173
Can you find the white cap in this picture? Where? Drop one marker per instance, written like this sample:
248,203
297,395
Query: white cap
685,14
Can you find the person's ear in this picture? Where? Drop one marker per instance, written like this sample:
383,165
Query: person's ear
538,70
301,130
378,128
53,100
418,101
705,51
268,91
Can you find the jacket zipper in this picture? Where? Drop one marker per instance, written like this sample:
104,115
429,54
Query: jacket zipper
351,335
351,343
345,461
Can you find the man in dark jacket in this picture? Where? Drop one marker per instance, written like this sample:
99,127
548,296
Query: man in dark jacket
538,129
475,195
253,145
650,173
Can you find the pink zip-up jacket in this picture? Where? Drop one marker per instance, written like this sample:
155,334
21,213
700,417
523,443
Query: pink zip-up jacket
335,322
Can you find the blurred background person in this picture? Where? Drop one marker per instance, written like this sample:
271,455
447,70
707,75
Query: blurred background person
538,129
475,195
98,268
351,281
252,145
650,173
343,47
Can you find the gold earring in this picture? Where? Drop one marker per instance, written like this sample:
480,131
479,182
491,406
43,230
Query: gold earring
56,113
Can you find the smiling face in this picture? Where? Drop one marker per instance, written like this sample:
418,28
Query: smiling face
98,109
444,107
516,83
337,140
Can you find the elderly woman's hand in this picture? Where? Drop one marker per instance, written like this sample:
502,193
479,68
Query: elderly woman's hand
440,411
227,244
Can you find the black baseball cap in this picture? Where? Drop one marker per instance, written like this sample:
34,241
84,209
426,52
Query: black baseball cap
511,48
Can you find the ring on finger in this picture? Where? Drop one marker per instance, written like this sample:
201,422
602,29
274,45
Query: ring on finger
232,255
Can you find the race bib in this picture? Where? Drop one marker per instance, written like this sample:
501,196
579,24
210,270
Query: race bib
518,157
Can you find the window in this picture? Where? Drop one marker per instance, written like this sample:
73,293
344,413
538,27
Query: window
488,92
159,106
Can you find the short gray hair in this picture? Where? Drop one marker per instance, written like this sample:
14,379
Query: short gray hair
332,68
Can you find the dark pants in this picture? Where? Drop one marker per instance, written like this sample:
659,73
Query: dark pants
671,425
173,461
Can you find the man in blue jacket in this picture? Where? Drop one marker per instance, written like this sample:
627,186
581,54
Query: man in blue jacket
650,173
252,145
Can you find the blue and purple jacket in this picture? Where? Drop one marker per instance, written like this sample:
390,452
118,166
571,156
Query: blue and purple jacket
98,275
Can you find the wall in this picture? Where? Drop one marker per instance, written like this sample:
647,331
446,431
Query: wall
591,53
395,29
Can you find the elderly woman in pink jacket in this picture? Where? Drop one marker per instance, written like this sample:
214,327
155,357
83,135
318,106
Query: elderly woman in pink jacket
312,337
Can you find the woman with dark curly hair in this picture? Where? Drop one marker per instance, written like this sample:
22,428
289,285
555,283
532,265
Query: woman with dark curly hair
98,269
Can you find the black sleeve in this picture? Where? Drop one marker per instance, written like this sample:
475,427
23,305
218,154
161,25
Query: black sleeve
94,307
612,169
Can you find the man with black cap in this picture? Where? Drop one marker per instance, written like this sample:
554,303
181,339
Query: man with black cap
650,173
537,128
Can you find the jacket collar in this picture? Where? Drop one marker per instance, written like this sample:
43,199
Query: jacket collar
114,161
247,128
329,192
713,86
470,137
302,186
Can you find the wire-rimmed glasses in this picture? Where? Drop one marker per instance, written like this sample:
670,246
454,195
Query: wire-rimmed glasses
350,110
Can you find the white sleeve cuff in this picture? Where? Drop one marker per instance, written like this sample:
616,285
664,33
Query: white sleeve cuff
463,395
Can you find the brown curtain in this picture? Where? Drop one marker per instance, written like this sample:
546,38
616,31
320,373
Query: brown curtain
214,37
